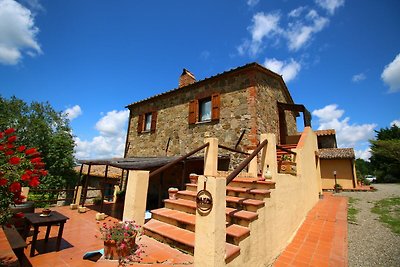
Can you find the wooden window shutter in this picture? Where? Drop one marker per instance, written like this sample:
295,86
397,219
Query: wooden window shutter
215,106
153,121
193,110
140,123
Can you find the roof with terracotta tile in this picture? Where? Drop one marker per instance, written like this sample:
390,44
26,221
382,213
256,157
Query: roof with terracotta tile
99,171
205,80
336,153
325,132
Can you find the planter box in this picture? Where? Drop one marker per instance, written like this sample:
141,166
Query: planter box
288,167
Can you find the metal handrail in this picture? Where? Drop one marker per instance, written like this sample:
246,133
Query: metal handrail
286,150
163,168
233,150
245,162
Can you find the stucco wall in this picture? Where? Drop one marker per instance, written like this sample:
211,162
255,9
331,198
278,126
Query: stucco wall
285,210
245,105
344,173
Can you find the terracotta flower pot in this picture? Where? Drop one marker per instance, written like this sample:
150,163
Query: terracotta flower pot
193,178
110,250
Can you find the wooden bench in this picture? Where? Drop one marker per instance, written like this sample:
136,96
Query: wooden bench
17,243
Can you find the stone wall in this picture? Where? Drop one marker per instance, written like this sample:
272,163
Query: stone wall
244,106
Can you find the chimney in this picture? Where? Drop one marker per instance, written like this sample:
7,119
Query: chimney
186,78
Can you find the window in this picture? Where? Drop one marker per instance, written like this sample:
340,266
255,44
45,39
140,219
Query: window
204,109
147,122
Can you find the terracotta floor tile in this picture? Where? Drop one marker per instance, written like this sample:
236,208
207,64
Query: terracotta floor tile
322,239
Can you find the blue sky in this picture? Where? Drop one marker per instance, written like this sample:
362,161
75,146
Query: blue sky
339,58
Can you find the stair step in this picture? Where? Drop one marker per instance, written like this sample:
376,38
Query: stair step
252,183
178,237
234,201
242,216
187,221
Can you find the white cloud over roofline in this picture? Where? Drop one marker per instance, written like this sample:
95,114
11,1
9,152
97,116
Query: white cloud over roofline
111,139
287,68
347,134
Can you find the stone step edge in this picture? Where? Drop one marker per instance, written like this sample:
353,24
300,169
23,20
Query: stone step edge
238,214
230,199
173,232
233,230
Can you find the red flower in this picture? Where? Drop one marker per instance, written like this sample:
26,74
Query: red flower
15,187
9,131
14,160
43,172
34,182
12,139
9,153
3,181
1,135
9,146
19,215
2,147
36,160
30,151
25,177
21,148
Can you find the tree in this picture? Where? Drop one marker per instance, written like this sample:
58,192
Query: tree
385,152
39,125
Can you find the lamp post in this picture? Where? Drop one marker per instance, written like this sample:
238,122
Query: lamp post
334,175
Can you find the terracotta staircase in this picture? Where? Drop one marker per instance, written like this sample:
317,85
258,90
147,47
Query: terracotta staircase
175,223
280,152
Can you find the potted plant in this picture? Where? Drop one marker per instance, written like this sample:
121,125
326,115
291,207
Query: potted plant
286,164
120,239
19,167
172,191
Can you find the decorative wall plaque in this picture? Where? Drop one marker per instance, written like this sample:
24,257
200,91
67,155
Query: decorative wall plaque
204,201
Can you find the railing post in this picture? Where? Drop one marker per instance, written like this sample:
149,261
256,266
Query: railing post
136,196
253,167
211,157
78,195
268,156
210,232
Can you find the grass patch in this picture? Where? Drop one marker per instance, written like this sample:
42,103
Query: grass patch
388,210
352,210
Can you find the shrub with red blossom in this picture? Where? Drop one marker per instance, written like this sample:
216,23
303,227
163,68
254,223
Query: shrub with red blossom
19,167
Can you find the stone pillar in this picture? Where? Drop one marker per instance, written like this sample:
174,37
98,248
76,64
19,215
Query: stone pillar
211,157
116,190
209,249
136,196
253,167
268,156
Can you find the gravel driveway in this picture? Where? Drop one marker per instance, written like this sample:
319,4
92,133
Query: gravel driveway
371,243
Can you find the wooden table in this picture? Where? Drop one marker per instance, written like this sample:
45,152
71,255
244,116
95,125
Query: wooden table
36,221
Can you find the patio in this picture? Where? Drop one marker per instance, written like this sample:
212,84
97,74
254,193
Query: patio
79,237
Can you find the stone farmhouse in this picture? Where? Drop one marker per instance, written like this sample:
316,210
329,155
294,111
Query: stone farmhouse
257,177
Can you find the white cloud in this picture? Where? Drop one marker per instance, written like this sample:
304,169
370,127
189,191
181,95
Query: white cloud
395,122
301,32
73,112
330,5
288,69
391,75
348,135
364,154
264,26
296,12
304,24
358,77
252,2
111,139
17,33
